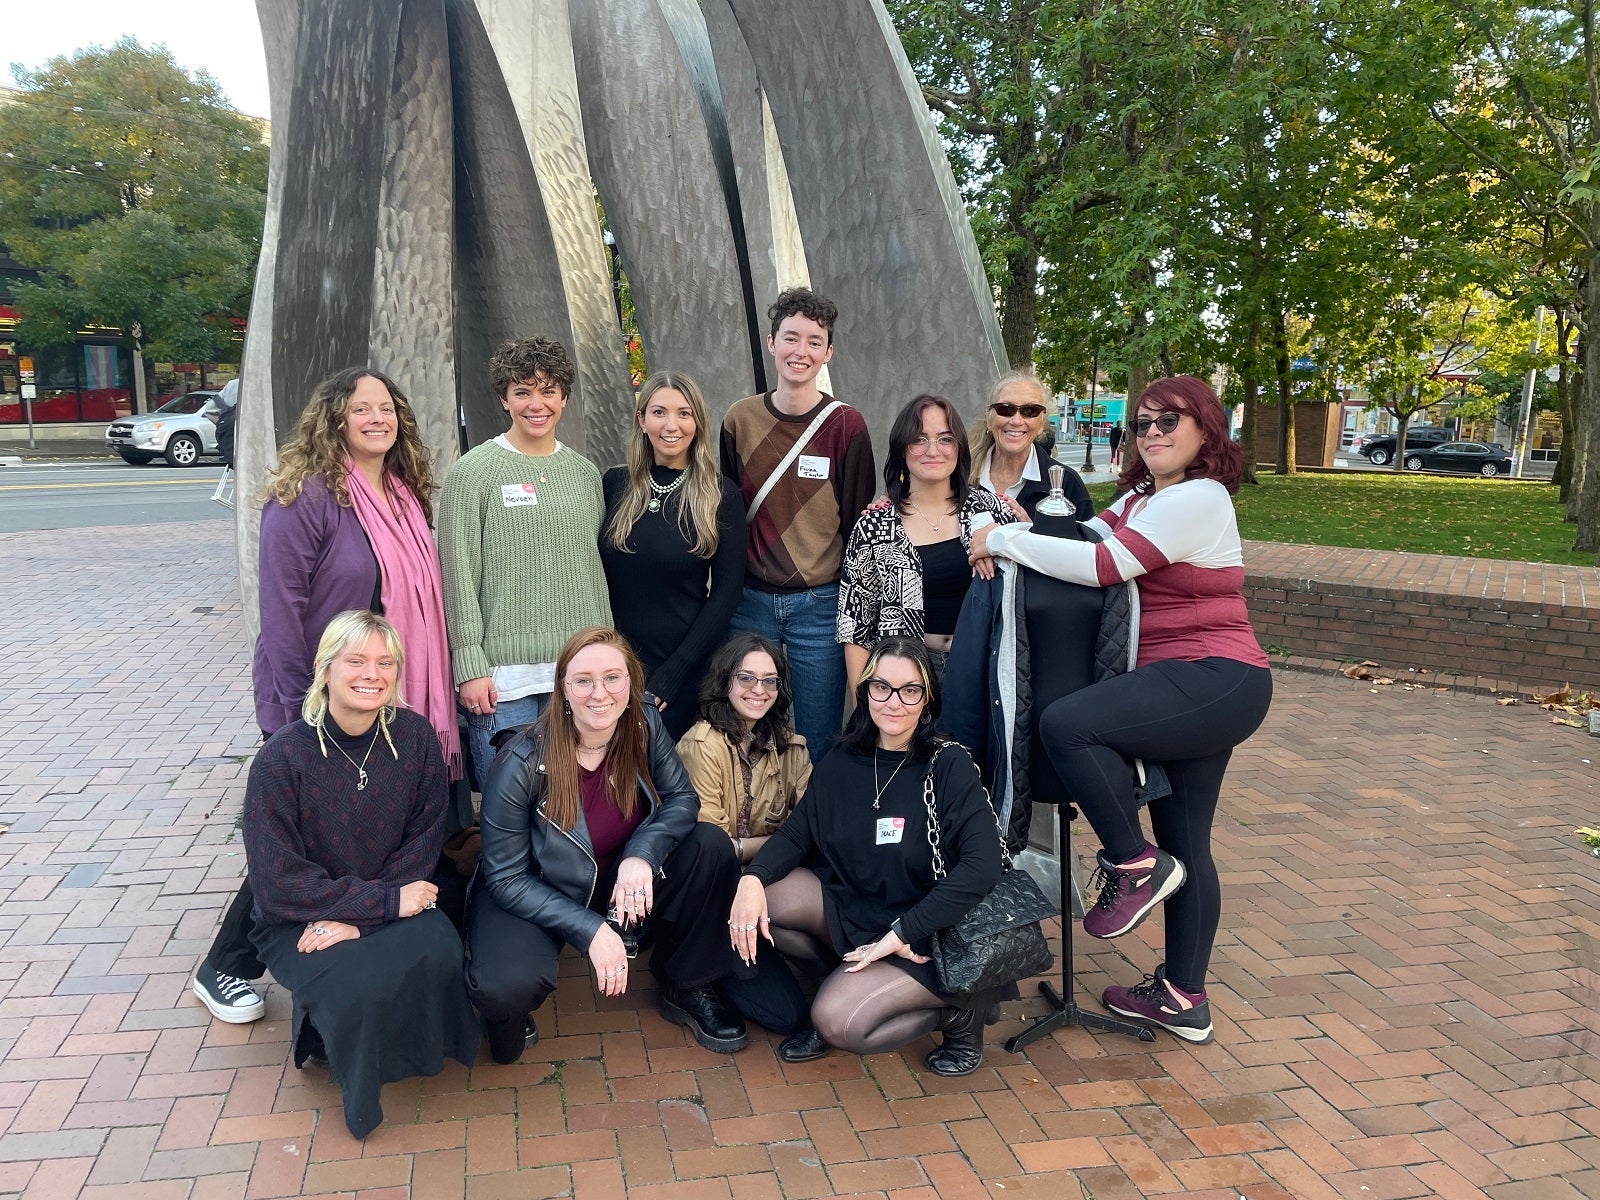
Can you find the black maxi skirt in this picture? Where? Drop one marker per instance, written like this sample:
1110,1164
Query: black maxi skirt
388,1005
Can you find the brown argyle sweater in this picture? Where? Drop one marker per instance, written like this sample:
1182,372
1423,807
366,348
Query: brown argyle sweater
797,539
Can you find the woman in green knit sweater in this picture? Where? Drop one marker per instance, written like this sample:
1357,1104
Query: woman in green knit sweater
519,526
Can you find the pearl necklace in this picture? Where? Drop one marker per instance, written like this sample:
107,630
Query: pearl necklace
660,493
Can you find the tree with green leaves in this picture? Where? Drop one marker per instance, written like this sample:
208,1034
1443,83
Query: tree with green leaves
137,195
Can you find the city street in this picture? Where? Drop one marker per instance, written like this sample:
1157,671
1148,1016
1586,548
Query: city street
73,495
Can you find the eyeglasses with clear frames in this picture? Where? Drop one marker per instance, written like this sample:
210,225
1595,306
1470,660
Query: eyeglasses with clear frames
945,442
911,694
750,682
585,685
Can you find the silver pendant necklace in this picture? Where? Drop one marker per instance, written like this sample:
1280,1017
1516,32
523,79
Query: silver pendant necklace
658,493
878,795
361,767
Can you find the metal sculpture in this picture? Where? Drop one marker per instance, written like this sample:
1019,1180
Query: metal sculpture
432,192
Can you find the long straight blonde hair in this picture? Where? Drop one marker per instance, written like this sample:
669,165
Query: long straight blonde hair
698,497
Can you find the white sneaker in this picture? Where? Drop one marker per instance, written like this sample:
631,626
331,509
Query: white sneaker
229,998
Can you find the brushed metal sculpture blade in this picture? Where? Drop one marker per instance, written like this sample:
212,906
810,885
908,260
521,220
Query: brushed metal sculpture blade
651,159
885,231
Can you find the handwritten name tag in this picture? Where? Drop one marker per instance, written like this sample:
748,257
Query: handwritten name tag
890,830
516,495
813,466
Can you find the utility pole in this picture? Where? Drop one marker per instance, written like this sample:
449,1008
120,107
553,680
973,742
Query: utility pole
1524,438
1088,425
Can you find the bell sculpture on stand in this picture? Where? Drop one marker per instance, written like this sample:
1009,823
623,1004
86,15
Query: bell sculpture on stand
1056,503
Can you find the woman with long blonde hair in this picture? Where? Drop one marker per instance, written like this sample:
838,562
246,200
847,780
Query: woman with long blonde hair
589,831
673,544
1008,457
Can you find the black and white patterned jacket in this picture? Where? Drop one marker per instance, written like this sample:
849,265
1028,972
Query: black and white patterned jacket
880,582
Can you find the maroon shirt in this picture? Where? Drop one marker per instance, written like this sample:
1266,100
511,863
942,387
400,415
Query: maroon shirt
609,830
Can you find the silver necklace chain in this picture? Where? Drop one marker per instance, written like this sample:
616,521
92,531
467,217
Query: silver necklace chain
884,787
660,492
936,526
361,767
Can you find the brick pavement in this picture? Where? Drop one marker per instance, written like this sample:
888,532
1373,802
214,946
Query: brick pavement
1405,984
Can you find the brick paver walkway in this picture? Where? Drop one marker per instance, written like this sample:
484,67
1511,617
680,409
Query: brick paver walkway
1405,984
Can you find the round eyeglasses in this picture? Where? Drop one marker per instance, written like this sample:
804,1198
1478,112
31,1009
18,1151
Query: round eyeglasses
585,685
910,694
750,682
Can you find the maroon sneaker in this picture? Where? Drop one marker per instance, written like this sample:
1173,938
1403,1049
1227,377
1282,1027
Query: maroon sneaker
1127,894
1154,1000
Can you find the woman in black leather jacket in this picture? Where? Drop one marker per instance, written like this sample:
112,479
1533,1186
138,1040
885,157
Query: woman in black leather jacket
590,830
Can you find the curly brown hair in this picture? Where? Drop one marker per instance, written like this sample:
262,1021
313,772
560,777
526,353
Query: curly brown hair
318,446
527,358
803,302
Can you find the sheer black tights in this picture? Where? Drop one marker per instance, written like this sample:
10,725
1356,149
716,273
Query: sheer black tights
865,1012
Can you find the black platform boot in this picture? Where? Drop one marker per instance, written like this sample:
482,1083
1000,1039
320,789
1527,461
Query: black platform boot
961,1052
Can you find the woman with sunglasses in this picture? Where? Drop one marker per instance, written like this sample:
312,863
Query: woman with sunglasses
1200,687
850,875
1008,458
589,831
905,570
750,768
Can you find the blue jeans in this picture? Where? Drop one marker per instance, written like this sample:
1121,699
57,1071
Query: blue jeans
508,714
805,625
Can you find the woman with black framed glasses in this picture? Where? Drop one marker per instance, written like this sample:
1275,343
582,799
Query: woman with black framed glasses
849,877
1008,457
1201,686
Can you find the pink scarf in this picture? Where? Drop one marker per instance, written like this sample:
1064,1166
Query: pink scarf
413,600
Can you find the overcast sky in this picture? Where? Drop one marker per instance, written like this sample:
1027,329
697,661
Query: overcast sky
220,35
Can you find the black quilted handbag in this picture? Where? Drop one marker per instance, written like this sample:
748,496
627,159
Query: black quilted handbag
999,941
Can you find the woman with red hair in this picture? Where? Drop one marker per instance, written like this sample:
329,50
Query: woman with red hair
1201,686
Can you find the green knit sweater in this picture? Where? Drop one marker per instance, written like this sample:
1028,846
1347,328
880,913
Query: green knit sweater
519,541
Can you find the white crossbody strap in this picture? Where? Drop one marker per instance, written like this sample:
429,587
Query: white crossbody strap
788,459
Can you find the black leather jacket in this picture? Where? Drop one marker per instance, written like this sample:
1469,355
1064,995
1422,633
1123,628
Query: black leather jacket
547,875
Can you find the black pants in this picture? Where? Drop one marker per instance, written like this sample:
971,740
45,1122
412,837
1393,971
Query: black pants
511,966
233,953
1188,716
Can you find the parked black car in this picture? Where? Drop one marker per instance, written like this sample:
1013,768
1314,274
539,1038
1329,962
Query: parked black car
1380,451
1472,457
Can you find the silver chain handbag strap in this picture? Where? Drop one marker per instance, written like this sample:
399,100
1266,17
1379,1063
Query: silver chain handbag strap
935,836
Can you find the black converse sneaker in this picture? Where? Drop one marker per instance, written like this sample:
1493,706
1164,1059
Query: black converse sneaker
229,998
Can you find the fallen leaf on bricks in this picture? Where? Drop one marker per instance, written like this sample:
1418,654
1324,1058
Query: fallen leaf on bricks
1507,701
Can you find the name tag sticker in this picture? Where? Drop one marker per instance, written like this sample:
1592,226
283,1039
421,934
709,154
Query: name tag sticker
516,495
890,830
813,466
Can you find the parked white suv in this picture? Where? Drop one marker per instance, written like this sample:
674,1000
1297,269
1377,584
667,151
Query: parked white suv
180,431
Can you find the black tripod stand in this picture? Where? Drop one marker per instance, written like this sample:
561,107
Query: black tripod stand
1067,1011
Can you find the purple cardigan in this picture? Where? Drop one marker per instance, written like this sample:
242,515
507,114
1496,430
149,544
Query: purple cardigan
316,562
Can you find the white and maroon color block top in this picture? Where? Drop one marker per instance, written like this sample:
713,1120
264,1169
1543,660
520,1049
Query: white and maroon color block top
1182,546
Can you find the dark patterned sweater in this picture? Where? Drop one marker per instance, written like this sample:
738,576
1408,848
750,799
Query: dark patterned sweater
319,849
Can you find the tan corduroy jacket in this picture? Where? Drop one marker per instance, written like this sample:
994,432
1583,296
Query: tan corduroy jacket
777,781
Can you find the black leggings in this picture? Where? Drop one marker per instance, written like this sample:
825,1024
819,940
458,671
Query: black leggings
1188,716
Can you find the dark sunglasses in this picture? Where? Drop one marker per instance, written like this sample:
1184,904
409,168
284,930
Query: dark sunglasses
1166,423
1029,411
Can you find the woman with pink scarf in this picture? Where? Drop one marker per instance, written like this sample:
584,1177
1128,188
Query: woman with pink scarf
345,527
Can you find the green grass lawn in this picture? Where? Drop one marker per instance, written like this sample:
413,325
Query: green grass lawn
1425,514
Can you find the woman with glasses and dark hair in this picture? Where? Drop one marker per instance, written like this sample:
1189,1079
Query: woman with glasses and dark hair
905,569
850,875
1008,457
1201,686
589,831
750,768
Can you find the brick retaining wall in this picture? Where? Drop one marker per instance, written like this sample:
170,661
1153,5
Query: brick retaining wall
1505,626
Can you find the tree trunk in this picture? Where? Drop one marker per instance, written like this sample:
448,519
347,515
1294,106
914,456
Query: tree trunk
1402,413
1569,470
1138,380
1019,306
1566,380
1280,362
1247,425
1586,474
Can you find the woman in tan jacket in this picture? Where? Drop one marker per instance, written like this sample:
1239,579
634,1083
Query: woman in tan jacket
750,768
